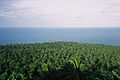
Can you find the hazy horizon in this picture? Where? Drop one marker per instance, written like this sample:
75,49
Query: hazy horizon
58,27
106,36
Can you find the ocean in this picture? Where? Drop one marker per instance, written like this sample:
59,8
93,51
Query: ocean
107,36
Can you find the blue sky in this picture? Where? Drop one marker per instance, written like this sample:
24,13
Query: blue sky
59,13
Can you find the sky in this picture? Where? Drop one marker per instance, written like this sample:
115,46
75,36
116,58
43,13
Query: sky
59,13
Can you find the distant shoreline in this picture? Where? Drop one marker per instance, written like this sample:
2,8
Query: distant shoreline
59,42
107,36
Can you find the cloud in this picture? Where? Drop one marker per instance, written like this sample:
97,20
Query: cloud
66,13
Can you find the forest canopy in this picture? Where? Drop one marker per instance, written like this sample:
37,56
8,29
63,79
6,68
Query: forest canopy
59,61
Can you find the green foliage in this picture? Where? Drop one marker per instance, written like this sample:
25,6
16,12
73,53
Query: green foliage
59,61
115,75
45,67
16,76
3,76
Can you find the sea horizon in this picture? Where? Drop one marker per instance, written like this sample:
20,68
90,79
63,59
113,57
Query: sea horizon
107,36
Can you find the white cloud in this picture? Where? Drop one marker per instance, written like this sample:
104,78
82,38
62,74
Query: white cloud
66,13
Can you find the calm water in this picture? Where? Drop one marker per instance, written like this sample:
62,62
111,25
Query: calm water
109,36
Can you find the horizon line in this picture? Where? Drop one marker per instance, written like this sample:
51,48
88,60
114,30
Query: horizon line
64,27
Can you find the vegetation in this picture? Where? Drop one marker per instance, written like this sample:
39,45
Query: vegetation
59,61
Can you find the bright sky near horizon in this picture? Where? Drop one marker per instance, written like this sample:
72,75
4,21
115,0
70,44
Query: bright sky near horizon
59,13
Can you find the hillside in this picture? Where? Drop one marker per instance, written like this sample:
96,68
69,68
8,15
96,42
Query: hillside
59,61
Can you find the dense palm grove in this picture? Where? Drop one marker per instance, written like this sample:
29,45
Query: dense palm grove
59,61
